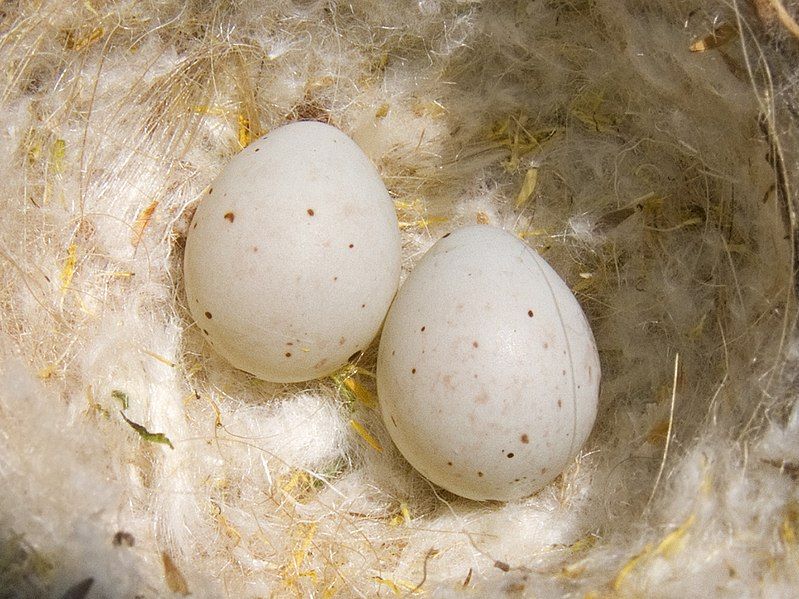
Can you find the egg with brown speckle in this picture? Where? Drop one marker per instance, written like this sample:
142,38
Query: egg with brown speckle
488,373
293,255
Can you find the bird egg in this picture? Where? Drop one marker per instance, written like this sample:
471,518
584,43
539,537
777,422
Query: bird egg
488,373
293,255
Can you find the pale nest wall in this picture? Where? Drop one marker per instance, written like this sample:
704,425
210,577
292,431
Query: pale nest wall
658,181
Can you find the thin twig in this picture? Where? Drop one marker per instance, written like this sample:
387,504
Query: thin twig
668,431
785,17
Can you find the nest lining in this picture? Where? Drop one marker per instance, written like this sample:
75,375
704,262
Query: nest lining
646,149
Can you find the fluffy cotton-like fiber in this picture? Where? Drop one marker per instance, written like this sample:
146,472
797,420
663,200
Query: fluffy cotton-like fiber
660,182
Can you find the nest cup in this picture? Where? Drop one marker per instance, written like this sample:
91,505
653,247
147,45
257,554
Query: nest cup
647,150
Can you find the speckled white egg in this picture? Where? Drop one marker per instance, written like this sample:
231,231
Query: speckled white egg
488,373
293,255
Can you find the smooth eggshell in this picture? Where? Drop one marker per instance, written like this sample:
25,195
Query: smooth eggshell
293,256
488,374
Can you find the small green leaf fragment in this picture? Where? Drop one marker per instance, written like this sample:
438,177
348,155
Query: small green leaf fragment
147,435
57,154
121,397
